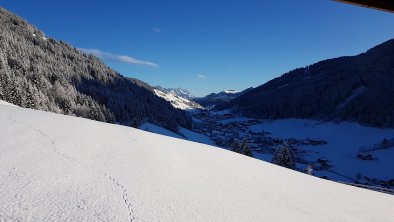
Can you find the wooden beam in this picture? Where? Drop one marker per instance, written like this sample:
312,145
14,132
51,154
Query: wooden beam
385,5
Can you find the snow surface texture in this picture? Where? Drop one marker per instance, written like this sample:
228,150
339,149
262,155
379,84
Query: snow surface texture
196,137
149,127
187,134
62,168
6,103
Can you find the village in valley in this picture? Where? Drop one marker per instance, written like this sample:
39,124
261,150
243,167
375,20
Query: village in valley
225,129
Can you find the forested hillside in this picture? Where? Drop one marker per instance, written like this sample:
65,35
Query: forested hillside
220,98
42,73
355,88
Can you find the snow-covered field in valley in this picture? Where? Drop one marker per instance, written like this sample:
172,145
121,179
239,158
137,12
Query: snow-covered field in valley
344,141
339,151
61,168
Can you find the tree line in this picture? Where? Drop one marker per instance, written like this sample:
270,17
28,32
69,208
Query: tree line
354,88
42,73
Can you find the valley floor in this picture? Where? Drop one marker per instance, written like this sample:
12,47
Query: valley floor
62,168
333,149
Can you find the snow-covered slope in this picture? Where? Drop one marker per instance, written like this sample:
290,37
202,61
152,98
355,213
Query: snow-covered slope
196,137
62,168
185,133
6,103
177,101
184,93
149,127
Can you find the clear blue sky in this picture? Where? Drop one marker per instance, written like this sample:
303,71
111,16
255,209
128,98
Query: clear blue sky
209,45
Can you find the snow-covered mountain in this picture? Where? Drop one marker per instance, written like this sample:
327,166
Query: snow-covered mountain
222,97
184,93
350,88
61,168
231,91
183,99
177,101
63,79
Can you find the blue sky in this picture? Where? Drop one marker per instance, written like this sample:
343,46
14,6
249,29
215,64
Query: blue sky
209,45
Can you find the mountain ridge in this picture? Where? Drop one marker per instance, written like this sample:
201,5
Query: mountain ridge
181,92
327,90
177,100
42,73
215,99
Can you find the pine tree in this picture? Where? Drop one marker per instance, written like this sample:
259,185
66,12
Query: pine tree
135,123
236,147
54,76
309,169
246,149
242,148
2,95
284,157
385,143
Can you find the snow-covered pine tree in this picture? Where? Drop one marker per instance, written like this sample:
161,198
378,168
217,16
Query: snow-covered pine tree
42,73
284,157
309,169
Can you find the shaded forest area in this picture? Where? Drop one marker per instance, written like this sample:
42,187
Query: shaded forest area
354,88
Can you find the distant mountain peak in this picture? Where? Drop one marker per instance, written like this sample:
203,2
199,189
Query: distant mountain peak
181,92
231,91
219,98
178,97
